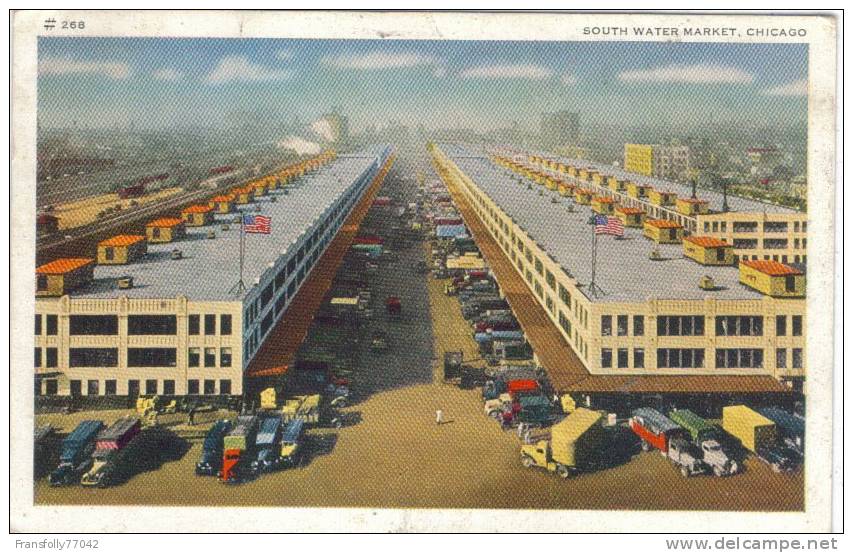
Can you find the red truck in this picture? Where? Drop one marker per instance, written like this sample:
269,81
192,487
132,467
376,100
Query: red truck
655,429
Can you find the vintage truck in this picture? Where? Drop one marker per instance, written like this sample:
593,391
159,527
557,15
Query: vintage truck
758,434
210,462
686,456
237,447
75,458
267,447
108,444
791,428
657,431
706,437
291,450
575,445
313,410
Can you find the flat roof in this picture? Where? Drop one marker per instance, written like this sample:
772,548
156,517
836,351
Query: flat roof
714,198
209,268
122,240
63,265
624,271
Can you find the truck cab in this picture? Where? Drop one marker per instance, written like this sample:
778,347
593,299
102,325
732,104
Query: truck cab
539,455
211,454
76,456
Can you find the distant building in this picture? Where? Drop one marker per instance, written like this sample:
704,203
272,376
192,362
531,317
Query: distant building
656,160
764,156
560,128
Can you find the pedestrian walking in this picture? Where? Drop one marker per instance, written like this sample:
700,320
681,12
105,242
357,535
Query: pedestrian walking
191,416
439,417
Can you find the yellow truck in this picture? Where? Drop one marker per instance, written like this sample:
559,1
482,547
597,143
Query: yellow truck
758,434
575,445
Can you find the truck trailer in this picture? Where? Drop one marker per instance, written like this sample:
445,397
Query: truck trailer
706,437
210,462
75,458
267,447
108,444
575,445
654,429
237,448
758,434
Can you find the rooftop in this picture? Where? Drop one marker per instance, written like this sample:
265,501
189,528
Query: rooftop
707,241
714,198
63,265
157,275
165,222
772,268
567,237
122,240
662,223
197,209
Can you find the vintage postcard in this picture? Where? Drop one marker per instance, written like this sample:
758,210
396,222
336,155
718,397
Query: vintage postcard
422,271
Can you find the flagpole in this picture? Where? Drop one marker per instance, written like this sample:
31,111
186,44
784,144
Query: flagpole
594,243
240,286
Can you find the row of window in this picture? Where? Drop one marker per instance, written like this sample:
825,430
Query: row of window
681,358
136,357
752,226
318,240
152,387
694,325
137,325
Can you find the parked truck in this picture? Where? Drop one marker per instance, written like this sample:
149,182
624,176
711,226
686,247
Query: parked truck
267,445
791,428
109,443
210,462
758,434
291,451
706,437
75,458
686,456
654,429
237,449
575,445
312,410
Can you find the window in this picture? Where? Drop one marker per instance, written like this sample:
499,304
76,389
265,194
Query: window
93,357
193,357
209,324
622,358
790,283
745,226
209,387
781,358
639,325
51,358
750,358
155,232
565,324
681,325
52,325
93,325
796,325
225,387
133,388
606,358
169,387
209,357
76,387
565,297
606,325
797,358
551,280
681,358
110,387
38,325
538,265
281,278
151,386
193,325
224,357
152,325
739,325
37,357
192,387
622,325
781,325
266,295
775,226
109,254
225,325
151,357
92,387
51,387
639,358
266,322
41,283
280,303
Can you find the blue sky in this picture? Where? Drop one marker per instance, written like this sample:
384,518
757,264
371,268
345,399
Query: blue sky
164,82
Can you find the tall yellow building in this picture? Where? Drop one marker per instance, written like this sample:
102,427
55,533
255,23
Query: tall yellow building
639,158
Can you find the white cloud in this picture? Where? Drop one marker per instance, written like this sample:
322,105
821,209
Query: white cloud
284,55
167,74
702,73
796,88
323,129
378,60
508,71
239,68
66,66
568,79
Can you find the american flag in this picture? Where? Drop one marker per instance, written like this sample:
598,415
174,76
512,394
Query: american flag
256,224
609,225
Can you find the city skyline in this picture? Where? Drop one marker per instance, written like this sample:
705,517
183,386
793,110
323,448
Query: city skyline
166,83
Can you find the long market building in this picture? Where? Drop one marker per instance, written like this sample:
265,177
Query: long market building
645,316
187,317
